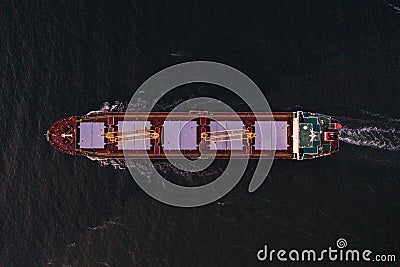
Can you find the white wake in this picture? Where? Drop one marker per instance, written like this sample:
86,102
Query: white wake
377,132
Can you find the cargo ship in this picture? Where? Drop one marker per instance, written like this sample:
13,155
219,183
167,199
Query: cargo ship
197,134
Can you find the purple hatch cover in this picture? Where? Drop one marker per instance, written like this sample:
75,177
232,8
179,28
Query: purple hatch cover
265,135
180,135
90,135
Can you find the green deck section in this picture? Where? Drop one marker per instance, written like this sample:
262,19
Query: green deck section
326,148
314,122
312,127
310,139
311,150
306,130
324,122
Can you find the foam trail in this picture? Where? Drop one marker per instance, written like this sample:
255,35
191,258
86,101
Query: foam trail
374,137
383,133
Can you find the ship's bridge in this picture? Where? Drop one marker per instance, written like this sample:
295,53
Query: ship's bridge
318,135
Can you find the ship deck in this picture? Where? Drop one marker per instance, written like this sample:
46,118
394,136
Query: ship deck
138,135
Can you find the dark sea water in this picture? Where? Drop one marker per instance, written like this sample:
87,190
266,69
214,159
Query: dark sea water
61,58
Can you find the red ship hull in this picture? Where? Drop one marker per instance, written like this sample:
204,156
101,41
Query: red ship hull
101,135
